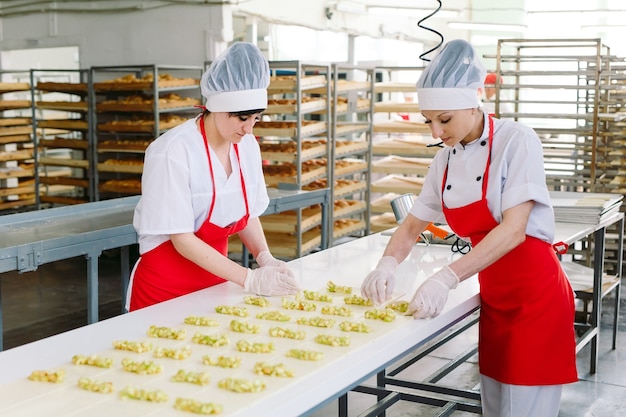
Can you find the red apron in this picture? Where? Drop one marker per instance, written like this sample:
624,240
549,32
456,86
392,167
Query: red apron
526,327
162,273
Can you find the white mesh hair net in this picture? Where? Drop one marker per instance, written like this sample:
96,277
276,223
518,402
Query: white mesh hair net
237,80
455,66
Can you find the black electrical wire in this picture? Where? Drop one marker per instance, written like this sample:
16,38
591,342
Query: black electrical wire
441,38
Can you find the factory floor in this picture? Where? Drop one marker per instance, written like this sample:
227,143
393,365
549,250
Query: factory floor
52,299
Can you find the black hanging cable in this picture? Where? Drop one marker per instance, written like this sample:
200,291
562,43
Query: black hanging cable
441,38
423,55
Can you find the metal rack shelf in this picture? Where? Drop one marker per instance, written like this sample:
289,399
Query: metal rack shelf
135,104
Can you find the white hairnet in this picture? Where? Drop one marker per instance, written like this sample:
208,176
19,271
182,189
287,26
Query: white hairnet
452,79
237,80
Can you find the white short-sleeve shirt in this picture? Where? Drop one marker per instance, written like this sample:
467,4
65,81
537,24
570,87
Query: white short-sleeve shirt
516,175
177,188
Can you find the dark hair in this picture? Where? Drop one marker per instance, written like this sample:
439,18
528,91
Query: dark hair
205,111
246,112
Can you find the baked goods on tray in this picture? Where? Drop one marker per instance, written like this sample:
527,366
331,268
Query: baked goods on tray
132,82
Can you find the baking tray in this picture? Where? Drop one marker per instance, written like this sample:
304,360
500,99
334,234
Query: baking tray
360,104
64,162
15,138
290,130
401,126
76,106
402,165
146,107
143,85
348,208
120,167
382,222
343,86
121,186
406,147
348,227
128,145
69,124
287,106
348,128
394,87
290,156
394,107
287,222
347,167
342,187
308,176
145,126
16,155
64,143
76,88
282,84
24,188
15,121
6,87
21,171
64,180
14,104
382,204
284,244
398,184
24,200
344,148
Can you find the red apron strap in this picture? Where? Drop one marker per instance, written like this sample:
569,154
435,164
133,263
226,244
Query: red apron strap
560,247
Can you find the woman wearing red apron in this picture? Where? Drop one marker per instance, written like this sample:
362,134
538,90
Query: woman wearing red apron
488,184
203,182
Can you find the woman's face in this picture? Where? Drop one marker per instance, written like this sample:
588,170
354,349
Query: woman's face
232,128
453,126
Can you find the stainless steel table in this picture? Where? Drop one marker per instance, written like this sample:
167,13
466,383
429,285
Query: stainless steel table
35,238
31,239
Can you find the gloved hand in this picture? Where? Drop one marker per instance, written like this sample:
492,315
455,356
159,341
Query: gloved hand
378,284
264,258
431,296
270,280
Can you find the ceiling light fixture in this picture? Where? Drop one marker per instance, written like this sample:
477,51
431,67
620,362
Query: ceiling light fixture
411,12
603,28
347,6
587,13
490,27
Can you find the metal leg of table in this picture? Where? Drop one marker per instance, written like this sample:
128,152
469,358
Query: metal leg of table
342,403
92,287
618,288
325,227
598,271
616,313
125,271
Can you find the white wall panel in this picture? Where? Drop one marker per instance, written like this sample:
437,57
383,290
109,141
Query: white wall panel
177,35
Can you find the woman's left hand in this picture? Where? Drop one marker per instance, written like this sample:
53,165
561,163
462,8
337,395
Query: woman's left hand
269,281
431,296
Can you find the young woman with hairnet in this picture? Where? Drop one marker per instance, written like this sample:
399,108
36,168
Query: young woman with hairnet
202,182
488,184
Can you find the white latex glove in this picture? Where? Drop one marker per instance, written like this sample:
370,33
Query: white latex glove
270,280
378,284
431,296
264,258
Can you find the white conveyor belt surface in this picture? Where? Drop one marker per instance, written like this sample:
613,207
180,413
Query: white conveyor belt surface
314,383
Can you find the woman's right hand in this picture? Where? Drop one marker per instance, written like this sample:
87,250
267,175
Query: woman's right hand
379,284
271,280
